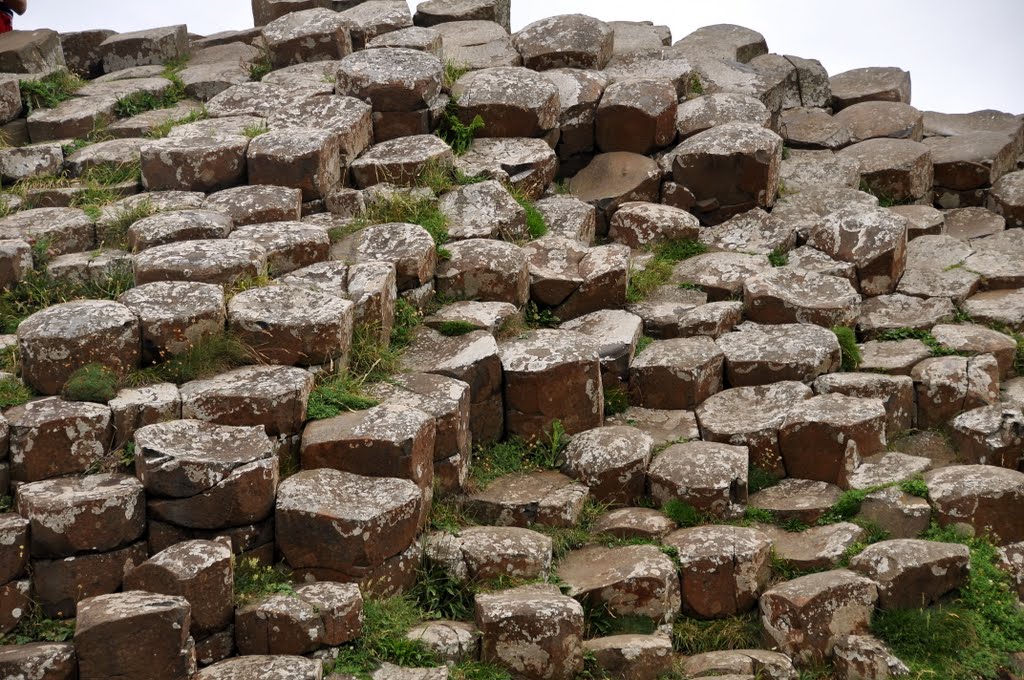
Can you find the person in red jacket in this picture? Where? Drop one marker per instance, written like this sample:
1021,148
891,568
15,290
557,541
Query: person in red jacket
7,10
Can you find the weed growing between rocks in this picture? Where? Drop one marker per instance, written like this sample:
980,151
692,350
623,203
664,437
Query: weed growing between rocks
92,382
600,621
50,90
385,624
13,393
140,102
477,670
536,226
778,258
255,130
937,349
163,129
616,401
684,514
453,329
659,269
968,638
848,346
115,233
254,581
759,479
692,636
209,356
454,132
34,626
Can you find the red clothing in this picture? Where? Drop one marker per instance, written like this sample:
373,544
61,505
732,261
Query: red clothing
5,21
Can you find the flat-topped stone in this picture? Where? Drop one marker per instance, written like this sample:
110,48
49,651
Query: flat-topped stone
758,355
876,83
272,396
202,261
565,41
513,101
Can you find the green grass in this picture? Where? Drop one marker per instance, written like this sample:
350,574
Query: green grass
206,358
599,621
385,624
566,539
936,348
455,133
453,70
39,290
441,178
643,343
140,102
455,328
848,346
261,65
778,257
163,129
516,455
915,487
255,130
92,382
536,226
616,401
370,361
49,91
683,514
440,596
759,479
659,269
401,207
13,393
691,636
115,233
477,670
695,86
254,581
34,626
970,637
752,514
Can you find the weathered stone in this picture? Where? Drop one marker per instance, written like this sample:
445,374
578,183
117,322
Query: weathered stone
723,568
913,573
198,162
968,224
21,163
39,661
1004,307
635,580
754,231
413,38
758,355
813,129
266,667
478,44
975,339
611,461
809,170
399,161
57,341
110,629
308,35
617,333
513,102
899,169
409,246
569,217
632,656
551,374
140,48
661,63
896,393
677,374
1007,198
66,230
52,437
949,385
711,477
483,269
985,498
791,295
504,552
220,261
744,662
863,656
483,210
175,315
486,316
534,630
876,83
278,624
38,51
178,225
898,513
637,116
875,240
544,498
751,417
990,435
893,357
69,515
340,607
806,615
721,274
613,179
199,571
729,169
816,548
14,553
708,111
634,523
366,20
565,41
888,468
797,499
637,224
528,165
272,396
473,359
322,515
433,12
307,159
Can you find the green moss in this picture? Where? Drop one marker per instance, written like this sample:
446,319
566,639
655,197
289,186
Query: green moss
683,514
778,258
92,382
455,328
659,268
848,346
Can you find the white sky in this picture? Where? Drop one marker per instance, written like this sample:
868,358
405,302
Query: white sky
961,56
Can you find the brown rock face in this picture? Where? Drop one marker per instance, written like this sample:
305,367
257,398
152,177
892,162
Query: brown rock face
629,581
912,573
566,41
322,515
612,461
534,630
806,615
111,629
983,497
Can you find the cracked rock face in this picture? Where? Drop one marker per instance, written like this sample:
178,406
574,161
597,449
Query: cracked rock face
983,497
630,580
913,573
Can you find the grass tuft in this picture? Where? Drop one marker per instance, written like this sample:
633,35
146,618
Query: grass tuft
254,581
937,349
659,269
49,91
848,346
616,401
13,392
778,258
385,624
683,514
115,233
340,394
92,382
209,356
34,626
255,130
759,479
163,129
690,636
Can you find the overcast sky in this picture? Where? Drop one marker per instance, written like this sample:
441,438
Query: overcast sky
961,56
